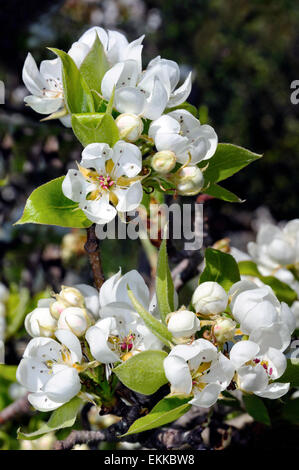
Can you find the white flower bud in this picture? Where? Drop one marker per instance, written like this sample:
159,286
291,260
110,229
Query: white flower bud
74,319
4,293
164,161
210,298
40,323
71,296
183,323
189,181
57,307
130,126
224,329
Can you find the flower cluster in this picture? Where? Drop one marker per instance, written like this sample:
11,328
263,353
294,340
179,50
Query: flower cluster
232,340
159,144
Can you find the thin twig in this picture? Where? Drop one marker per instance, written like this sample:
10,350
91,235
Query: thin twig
92,248
18,408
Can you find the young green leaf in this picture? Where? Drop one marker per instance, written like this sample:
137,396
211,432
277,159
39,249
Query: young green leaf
95,127
221,193
48,205
220,267
63,417
228,160
95,65
249,268
164,283
169,409
77,95
143,373
257,409
151,322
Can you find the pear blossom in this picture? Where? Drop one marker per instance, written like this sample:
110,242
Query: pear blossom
256,371
147,93
275,247
182,323
198,369
209,298
180,132
105,176
120,332
50,370
115,44
261,316
74,308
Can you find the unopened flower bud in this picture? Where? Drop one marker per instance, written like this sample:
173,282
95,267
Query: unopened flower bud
183,323
71,296
74,319
210,298
164,161
57,307
189,181
130,126
224,329
40,323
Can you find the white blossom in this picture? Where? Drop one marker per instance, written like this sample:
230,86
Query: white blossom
49,370
209,298
105,176
198,369
182,323
256,370
180,132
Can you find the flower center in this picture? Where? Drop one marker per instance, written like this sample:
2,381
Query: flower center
264,364
105,182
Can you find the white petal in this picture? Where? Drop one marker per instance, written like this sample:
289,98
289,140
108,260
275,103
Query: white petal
78,52
120,310
164,124
207,397
181,94
41,402
138,286
110,79
107,290
99,211
127,160
242,352
51,69
64,385
89,36
222,371
71,342
274,391
253,378
43,105
178,374
97,340
287,317
91,298
262,315
276,335
32,78
129,100
43,348
32,374
277,361
73,186
157,101
130,198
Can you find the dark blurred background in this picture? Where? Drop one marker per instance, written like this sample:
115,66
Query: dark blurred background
244,55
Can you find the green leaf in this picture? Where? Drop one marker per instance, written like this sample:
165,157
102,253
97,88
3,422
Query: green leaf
63,417
257,409
77,95
228,160
48,205
17,308
221,193
95,127
283,291
169,409
220,267
151,322
291,373
143,373
8,372
95,65
164,283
